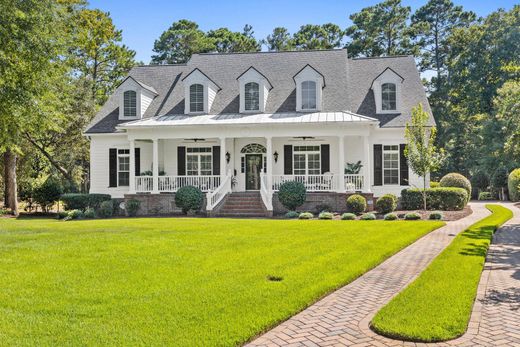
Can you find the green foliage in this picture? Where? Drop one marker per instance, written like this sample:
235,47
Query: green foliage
391,216
480,180
89,213
62,214
368,216
499,178
48,193
446,199
437,305
325,215
386,203
323,208
292,215
513,181
353,168
456,180
485,196
306,215
348,216
436,215
227,41
356,204
292,194
132,207
189,198
279,40
75,214
434,184
412,216
326,36
77,201
106,209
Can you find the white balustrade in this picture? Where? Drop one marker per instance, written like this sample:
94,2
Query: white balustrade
173,183
265,192
143,184
313,183
353,183
215,196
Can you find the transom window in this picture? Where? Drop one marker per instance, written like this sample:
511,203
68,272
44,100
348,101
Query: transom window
199,161
306,160
123,167
253,148
196,98
391,164
130,104
308,95
388,94
252,96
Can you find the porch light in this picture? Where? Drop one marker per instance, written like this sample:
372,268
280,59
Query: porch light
275,156
228,157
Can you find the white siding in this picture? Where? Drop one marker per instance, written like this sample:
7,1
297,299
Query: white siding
146,99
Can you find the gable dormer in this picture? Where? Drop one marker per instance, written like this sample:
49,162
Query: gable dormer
254,88
309,85
199,92
134,98
387,91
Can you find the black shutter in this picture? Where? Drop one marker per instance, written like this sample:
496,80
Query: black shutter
287,159
378,165
137,158
403,165
181,161
325,158
112,167
216,160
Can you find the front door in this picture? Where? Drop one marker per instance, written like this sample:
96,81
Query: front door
253,168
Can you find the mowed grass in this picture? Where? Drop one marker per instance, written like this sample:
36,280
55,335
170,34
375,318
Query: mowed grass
179,282
438,304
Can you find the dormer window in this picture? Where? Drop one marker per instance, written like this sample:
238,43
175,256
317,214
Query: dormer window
252,96
388,94
308,95
130,104
196,98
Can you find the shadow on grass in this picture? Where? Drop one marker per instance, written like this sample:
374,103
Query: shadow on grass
477,249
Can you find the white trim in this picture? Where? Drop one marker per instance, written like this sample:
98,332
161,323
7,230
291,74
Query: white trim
309,74
388,76
392,151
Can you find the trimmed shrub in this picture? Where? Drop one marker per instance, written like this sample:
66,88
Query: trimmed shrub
75,214
292,215
106,209
189,198
446,199
305,215
485,196
323,208
391,216
348,216
132,206
412,216
513,180
48,193
356,204
386,203
325,215
434,184
76,201
62,214
436,215
292,194
456,180
368,216
89,213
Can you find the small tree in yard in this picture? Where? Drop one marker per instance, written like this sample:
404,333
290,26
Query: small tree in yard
423,157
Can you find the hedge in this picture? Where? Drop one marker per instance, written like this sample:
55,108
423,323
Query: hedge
513,181
75,201
446,199
456,180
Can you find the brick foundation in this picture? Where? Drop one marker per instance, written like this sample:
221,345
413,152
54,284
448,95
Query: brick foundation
159,204
337,201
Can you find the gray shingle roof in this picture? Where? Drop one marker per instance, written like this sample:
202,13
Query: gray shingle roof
347,87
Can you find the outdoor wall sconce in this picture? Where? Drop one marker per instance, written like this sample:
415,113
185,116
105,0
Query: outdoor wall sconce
275,156
228,157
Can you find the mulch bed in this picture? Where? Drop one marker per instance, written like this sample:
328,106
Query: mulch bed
447,215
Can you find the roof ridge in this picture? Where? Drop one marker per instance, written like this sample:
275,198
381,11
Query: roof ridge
157,65
274,52
383,57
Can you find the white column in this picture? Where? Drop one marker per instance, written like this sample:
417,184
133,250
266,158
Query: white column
341,164
223,172
132,167
367,168
269,162
155,166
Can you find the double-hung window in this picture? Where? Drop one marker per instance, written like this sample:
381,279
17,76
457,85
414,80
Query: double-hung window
389,97
306,160
123,167
391,164
252,96
130,104
199,161
196,98
308,95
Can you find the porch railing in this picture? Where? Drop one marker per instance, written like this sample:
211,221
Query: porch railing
215,196
143,184
265,192
173,183
353,183
313,183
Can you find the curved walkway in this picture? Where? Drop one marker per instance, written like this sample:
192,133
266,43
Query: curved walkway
342,318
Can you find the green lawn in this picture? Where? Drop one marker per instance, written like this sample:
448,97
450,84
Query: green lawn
181,282
437,305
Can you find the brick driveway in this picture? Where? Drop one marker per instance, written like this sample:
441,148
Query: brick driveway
342,318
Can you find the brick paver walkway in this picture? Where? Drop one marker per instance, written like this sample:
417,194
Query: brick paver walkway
342,318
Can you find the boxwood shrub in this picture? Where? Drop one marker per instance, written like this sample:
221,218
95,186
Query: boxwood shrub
386,203
356,204
368,216
77,201
189,198
485,196
513,181
106,209
436,215
306,215
89,213
412,216
391,216
132,206
292,215
75,214
456,180
292,194
446,199
348,216
325,215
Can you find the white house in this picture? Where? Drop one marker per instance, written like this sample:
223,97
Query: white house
231,123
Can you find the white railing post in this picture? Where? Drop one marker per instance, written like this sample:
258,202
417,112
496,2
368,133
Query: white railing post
155,167
222,159
341,164
269,163
131,189
367,169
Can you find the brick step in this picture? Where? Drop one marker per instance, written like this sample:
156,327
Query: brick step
241,203
244,198
243,209
236,214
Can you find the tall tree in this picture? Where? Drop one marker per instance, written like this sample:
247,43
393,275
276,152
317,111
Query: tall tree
324,36
179,42
279,40
380,30
227,41
97,53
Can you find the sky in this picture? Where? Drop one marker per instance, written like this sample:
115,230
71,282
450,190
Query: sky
142,25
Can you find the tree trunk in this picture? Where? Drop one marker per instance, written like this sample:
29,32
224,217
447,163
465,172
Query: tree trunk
11,194
424,192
